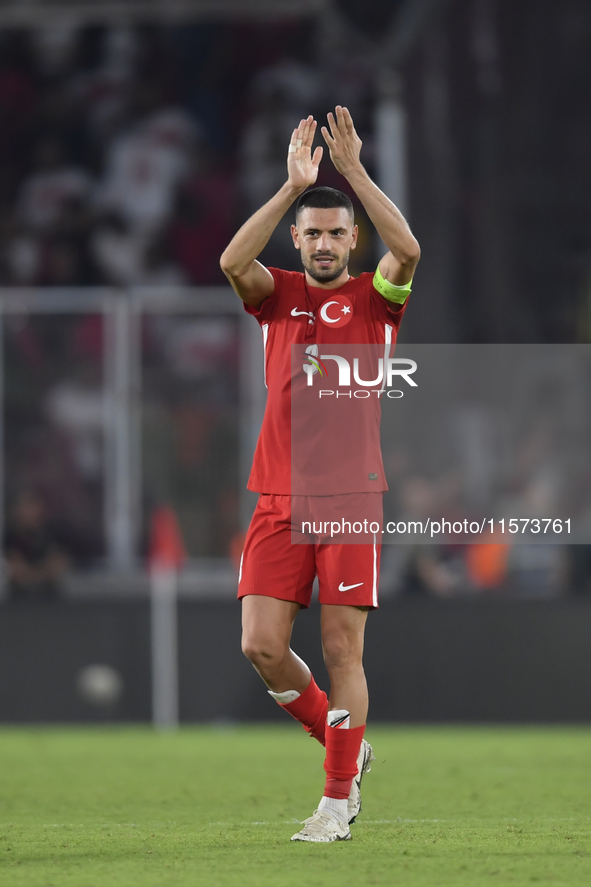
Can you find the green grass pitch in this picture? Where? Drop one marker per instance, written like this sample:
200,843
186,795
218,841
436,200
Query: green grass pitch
120,807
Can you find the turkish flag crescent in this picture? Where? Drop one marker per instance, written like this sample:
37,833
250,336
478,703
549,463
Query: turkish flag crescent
167,549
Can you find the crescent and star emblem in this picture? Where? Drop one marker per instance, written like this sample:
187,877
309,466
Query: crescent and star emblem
336,312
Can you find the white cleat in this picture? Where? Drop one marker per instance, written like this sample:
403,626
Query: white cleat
364,759
322,827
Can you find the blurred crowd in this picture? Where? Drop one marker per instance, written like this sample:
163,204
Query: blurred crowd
496,564
128,155
499,437
107,172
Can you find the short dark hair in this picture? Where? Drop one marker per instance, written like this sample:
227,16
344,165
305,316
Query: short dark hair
324,198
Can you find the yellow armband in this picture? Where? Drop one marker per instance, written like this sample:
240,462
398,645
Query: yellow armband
389,290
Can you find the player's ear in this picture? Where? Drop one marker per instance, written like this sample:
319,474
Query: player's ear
354,236
295,237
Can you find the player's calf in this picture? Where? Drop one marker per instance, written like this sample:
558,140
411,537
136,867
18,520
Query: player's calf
309,708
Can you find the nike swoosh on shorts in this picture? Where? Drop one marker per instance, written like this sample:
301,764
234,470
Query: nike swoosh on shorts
347,587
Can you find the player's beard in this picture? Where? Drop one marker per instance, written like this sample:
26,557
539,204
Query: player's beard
328,274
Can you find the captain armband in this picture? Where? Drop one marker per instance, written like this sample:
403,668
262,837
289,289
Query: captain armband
389,290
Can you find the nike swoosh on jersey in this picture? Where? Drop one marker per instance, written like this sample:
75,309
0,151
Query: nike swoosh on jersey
347,587
295,313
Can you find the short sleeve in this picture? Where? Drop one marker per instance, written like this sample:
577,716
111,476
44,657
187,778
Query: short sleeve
394,312
265,311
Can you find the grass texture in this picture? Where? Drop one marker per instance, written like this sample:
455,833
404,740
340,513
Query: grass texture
120,807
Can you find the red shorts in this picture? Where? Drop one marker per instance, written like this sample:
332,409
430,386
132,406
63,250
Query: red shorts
273,566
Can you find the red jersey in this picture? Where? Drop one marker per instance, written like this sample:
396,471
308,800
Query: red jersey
299,314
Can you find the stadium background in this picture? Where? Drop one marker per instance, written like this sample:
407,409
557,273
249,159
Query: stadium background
135,138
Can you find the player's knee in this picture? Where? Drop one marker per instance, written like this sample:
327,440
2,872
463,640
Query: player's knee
262,652
252,650
340,651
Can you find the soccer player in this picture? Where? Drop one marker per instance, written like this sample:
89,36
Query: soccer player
276,576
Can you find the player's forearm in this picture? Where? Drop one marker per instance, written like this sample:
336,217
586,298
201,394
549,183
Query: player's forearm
386,217
250,240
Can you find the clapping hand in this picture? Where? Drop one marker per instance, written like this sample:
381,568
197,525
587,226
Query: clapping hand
343,142
302,167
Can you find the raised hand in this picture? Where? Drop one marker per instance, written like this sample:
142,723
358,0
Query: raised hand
302,167
343,142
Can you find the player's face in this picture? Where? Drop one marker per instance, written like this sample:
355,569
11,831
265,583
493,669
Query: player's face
325,238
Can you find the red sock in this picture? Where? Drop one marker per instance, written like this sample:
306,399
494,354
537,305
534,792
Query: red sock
310,709
342,749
